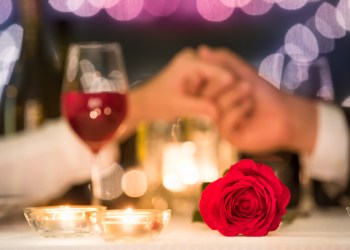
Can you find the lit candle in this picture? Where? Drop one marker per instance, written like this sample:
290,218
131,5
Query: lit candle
68,218
64,221
133,223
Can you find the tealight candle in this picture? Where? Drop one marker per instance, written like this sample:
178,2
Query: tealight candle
64,221
133,224
67,218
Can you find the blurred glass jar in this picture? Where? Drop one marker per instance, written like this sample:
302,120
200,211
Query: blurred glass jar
177,158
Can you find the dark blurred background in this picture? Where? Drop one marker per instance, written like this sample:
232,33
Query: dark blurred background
254,31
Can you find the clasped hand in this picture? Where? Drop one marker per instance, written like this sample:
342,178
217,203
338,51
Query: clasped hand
249,112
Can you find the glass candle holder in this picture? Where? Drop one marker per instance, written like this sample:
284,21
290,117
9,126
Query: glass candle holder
177,158
133,224
64,221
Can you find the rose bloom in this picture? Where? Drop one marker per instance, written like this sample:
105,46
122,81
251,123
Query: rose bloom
249,200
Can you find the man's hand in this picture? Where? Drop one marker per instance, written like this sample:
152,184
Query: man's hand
276,120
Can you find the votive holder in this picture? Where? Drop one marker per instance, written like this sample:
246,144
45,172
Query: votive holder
133,224
64,221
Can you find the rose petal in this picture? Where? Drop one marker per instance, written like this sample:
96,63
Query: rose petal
269,198
244,166
208,205
226,228
281,210
239,222
230,202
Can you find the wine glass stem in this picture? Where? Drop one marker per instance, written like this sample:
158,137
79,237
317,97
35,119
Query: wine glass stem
95,181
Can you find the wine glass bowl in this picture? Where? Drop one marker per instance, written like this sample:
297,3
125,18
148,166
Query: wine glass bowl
95,117
94,93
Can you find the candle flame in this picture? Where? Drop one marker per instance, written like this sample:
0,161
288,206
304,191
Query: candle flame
66,214
130,217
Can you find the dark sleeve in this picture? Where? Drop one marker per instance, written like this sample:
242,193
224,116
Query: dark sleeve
347,116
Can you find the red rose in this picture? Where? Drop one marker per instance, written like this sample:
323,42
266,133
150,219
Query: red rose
248,200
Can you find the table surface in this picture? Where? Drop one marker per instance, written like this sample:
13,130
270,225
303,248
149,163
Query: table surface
322,230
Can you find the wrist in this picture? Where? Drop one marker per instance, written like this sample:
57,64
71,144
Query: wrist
134,114
302,118
135,103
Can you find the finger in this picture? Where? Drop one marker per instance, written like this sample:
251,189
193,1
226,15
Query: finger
210,73
197,107
212,88
196,73
234,117
184,55
227,59
233,95
207,54
194,85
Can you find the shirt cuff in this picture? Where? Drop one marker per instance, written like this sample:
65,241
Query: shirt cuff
330,159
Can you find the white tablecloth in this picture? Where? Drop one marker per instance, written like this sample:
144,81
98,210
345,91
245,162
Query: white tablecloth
322,230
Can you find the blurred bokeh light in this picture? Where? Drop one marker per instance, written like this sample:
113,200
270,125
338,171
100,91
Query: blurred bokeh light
6,10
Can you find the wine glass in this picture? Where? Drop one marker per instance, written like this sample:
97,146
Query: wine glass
94,98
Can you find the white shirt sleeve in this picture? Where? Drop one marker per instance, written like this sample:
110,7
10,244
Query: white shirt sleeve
45,163
329,160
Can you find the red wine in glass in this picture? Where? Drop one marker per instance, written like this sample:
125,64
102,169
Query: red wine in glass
95,117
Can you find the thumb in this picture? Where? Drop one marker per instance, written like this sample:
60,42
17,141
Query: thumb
198,107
